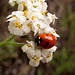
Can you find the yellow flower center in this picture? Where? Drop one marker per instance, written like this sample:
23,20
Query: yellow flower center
29,45
41,1
33,17
14,16
53,18
32,1
44,12
53,31
29,24
25,12
23,3
38,25
36,58
18,24
49,55
34,6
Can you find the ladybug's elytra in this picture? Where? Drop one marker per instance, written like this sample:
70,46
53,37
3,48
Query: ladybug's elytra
45,40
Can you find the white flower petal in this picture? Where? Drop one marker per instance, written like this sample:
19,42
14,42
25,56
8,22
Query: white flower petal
20,7
24,48
12,2
11,19
45,52
34,63
30,53
26,29
38,53
47,59
53,49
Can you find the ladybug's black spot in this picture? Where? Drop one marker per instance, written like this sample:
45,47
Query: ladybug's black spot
47,35
52,45
47,43
44,47
40,39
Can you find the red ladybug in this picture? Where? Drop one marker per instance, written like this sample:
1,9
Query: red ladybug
45,40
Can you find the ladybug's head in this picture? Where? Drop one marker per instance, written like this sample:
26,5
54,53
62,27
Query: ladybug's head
37,40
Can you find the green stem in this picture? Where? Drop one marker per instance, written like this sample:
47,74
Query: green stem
6,41
10,38
15,43
11,43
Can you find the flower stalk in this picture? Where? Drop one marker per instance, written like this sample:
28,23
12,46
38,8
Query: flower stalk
14,43
7,42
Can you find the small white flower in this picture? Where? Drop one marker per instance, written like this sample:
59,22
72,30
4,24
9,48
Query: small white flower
12,2
38,25
35,59
47,56
30,6
52,31
36,6
15,27
49,15
33,54
28,47
16,19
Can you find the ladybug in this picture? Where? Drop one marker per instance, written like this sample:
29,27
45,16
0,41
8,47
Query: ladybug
45,40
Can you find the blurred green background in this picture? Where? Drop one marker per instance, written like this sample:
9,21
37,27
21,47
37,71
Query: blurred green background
14,62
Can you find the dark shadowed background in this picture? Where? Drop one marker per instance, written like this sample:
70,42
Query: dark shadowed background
14,62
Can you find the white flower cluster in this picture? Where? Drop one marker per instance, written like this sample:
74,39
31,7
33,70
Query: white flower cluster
37,54
32,15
